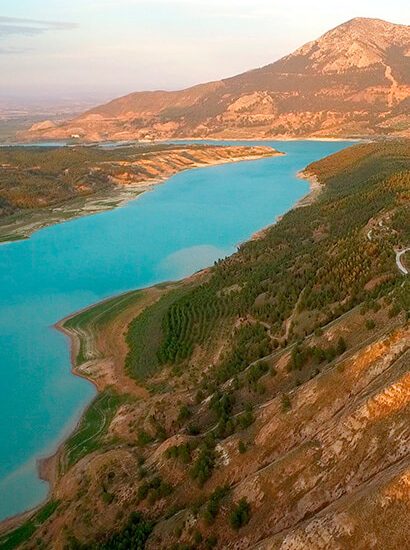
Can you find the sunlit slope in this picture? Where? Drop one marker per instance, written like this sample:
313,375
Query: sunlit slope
352,81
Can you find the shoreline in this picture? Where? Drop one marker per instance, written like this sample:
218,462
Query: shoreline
315,189
62,142
116,198
47,465
269,139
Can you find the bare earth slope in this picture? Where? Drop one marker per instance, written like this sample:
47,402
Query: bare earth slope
353,81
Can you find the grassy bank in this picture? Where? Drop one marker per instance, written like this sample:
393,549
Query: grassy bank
92,429
88,323
21,534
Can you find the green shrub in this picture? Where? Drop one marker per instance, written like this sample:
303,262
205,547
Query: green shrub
286,402
193,429
214,503
184,413
181,452
341,346
240,514
143,438
154,489
241,447
203,466
245,419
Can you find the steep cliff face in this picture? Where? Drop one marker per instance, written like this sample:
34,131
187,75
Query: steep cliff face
353,81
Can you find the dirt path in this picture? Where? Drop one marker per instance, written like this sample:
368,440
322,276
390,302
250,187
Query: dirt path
401,267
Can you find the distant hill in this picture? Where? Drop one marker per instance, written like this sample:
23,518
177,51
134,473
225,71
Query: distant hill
352,81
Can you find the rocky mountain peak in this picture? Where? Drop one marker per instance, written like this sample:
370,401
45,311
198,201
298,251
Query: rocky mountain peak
356,44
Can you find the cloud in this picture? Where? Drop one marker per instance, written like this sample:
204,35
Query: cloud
14,51
30,27
213,6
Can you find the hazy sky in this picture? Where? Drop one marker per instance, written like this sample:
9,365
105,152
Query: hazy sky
112,47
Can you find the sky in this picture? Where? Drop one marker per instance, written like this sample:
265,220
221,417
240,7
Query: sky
106,48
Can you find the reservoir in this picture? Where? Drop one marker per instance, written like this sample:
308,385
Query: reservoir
172,231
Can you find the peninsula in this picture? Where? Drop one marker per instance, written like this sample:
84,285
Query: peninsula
41,186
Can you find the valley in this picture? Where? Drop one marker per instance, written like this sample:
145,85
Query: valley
205,275
261,403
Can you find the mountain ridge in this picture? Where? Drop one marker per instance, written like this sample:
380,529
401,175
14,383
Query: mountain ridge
353,81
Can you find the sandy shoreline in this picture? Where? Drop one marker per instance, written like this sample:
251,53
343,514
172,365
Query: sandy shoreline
47,466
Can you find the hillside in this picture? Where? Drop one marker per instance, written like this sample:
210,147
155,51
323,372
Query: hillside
263,403
352,81
43,185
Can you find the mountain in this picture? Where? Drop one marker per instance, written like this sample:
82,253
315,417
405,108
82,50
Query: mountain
352,81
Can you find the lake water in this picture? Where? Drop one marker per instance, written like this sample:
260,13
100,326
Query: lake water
177,228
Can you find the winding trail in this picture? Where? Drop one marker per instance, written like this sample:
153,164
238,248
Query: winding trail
402,268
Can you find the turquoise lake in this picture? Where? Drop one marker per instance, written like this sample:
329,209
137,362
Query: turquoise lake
177,228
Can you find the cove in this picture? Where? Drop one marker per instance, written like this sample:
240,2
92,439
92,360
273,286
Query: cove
177,228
